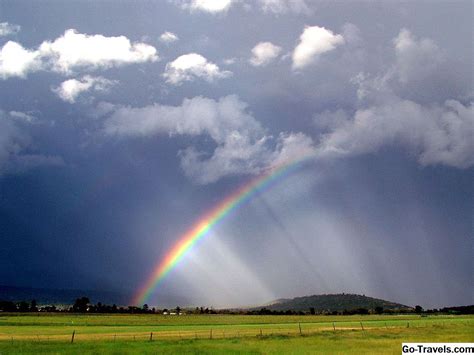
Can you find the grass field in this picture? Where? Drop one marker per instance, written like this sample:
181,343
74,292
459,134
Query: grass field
203,334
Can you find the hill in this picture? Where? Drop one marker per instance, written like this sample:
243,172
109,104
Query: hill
332,302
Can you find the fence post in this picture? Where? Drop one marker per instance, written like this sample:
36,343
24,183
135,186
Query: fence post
299,326
361,326
408,324
72,338
151,336
261,334
334,326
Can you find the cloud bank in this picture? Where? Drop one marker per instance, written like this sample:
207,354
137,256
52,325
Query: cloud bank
435,134
242,144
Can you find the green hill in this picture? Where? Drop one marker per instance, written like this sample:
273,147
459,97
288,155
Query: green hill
333,302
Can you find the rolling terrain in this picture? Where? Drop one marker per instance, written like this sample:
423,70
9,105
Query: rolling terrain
333,302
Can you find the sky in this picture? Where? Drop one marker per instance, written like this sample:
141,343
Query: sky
122,123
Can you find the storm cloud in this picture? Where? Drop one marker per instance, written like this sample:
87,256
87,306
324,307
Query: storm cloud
118,133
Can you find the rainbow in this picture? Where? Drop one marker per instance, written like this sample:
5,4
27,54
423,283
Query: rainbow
200,229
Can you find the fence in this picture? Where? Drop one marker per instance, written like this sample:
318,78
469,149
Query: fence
211,332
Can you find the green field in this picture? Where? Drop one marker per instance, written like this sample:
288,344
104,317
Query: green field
203,334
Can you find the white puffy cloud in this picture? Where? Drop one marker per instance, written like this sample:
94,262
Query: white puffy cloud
168,37
284,6
7,29
17,61
70,89
263,53
190,66
76,50
435,134
242,145
415,58
314,41
210,6
71,52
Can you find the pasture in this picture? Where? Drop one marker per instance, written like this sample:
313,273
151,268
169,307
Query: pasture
205,334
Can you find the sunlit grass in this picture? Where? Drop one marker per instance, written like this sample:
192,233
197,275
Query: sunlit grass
223,333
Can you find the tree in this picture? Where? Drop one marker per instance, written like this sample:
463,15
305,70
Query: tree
7,306
312,310
378,310
80,305
23,306
34,306
418,309
178,310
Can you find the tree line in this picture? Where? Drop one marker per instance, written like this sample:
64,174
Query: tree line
83,305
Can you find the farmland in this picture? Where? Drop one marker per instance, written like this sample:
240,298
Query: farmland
98,333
